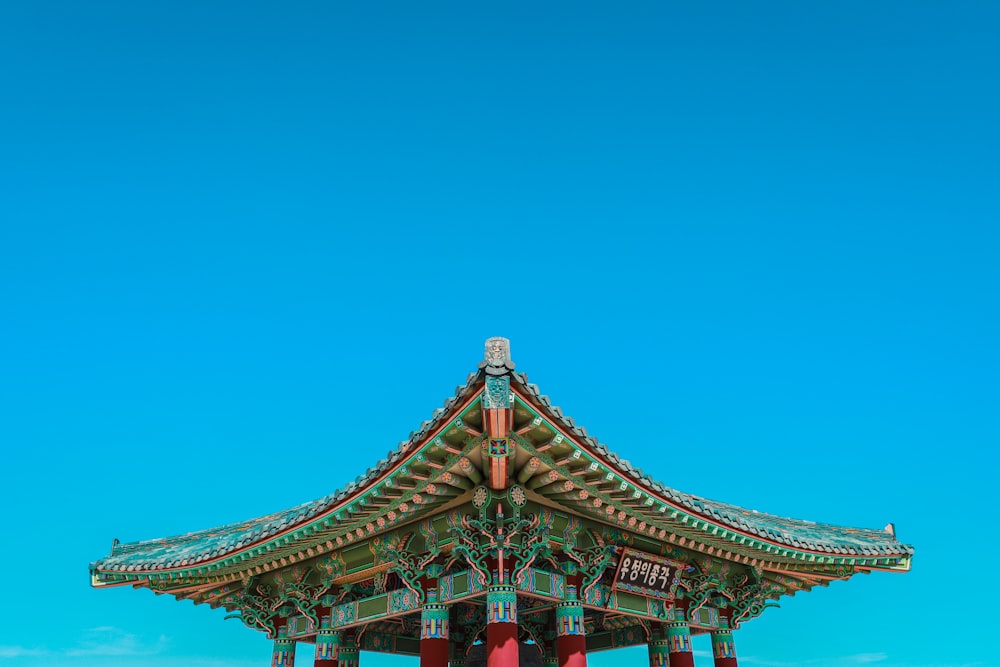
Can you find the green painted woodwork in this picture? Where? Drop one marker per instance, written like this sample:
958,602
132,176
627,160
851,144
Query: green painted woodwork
434,618
659,654
543,582
454,586
679,636
496,393
373,607
283,654
407,646
300,625
569,615
631,602
745,590
599,641
722,644
327,641
620,637
348,655
458,586
501,604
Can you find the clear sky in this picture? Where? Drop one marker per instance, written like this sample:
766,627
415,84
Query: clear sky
246,248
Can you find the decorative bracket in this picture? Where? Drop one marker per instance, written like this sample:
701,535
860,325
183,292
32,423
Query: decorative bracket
591,563
294,590
751,596
410,567
705,586
516,539
256,608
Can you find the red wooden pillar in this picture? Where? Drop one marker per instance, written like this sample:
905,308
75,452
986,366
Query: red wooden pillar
283,654
327,645
348,655
723,648
659,650
501,626
433,632
679,640
571,639
551,658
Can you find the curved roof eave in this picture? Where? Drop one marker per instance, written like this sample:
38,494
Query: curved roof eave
803,536
231,543
205,547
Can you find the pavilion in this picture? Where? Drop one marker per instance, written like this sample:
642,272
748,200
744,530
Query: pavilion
501,526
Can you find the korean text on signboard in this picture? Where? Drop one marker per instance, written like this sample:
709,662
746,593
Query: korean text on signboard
646,574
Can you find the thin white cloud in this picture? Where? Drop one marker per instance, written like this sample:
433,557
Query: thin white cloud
52,660
878,657
19,652
185,662
843,661
109,641
103,641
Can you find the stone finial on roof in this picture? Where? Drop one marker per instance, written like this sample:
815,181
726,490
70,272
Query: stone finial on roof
891,529
497,359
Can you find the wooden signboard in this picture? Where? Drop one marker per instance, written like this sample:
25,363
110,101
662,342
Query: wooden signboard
645,574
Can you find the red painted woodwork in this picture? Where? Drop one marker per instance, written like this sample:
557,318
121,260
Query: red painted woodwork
572,651
501,645
324,663
434,652
498,421
725,662
683,659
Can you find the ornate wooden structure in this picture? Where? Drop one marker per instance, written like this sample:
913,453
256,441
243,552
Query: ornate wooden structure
501,522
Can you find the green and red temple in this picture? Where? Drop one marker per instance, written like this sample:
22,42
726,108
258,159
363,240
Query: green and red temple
502,524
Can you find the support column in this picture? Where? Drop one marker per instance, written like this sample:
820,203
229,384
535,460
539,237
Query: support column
551,658
723,648
679,640
348,654
457,658
327,645
659,649
433,632
571,640
284,650
501,626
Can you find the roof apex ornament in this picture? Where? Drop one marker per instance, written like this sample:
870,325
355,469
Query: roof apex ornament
497,358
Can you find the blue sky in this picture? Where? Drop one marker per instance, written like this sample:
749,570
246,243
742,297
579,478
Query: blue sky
246,248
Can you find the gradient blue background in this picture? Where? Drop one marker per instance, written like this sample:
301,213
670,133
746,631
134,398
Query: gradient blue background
246,248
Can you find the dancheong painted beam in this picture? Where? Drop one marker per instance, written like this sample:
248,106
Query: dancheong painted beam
501,533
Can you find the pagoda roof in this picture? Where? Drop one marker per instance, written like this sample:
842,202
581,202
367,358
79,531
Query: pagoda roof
202,545
727,529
